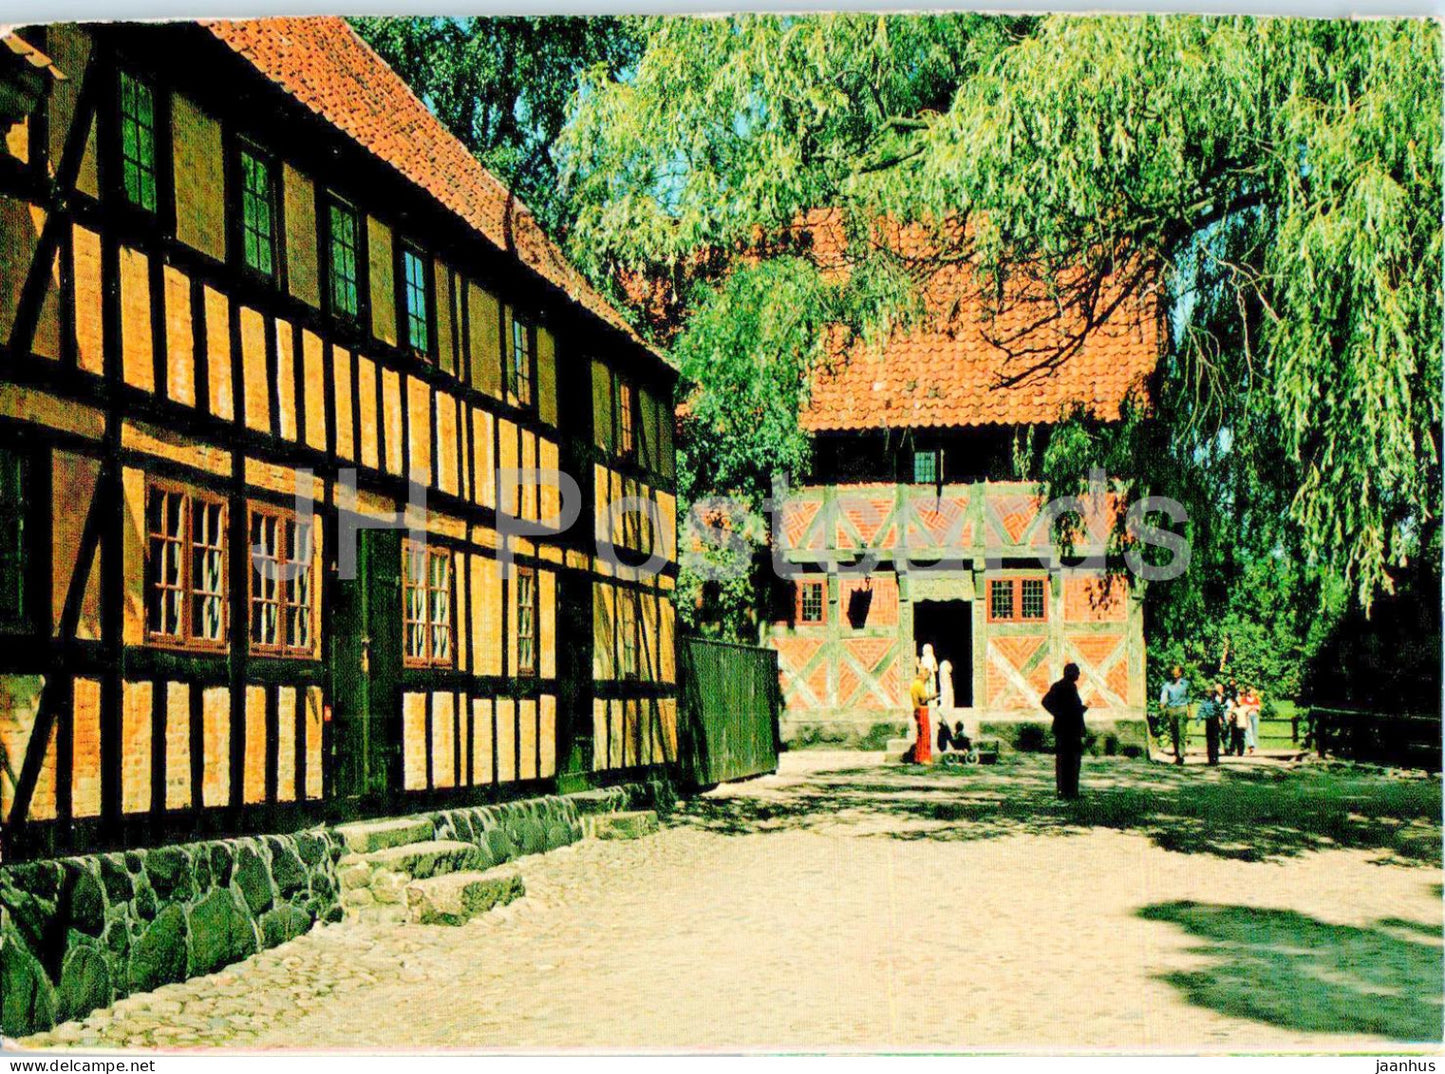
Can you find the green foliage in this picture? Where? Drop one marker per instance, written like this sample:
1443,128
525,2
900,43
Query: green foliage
503,86
1271,186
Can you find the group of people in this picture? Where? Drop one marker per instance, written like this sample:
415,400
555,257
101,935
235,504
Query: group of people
1229,712
1062,702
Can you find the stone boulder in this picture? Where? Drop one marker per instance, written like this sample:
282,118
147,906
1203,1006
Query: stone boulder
631,825
159,956
455,898
221,932
382,834
84,983
432,858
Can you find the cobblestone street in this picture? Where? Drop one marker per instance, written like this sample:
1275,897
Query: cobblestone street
846,904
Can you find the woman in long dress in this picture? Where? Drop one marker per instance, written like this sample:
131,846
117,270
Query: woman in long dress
929,663
945,685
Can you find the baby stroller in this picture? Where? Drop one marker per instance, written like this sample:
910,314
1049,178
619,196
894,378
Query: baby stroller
955,746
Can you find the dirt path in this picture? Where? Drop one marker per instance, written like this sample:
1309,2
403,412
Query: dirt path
845,904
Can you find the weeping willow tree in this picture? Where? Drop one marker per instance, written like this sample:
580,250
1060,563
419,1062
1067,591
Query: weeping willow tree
1273,184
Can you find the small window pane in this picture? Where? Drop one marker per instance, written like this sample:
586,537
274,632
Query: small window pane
426,605
1032,598
925,467
344,258
138,142
1001,599
519,369
185,568
258,226
416,322
812,602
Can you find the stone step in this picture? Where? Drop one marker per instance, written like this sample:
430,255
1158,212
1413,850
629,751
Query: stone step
597,800
633,824
432,857
373,835
454,898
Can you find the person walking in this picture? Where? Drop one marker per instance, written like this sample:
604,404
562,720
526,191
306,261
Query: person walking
1211,712
1063,703
1174,706
919,695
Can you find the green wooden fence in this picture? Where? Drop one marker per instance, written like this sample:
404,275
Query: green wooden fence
1406,739
728,711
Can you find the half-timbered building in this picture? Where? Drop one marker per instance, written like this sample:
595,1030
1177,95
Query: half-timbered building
920,522
254,301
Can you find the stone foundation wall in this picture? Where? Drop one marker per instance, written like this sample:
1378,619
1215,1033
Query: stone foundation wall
844,734
498,832
1105,738
80,933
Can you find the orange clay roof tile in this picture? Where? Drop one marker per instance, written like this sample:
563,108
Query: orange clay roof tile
964,367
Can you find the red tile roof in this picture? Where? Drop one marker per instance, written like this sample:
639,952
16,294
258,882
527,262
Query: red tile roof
323,64
963,367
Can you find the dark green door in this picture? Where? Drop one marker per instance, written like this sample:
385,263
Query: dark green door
365,669
574,681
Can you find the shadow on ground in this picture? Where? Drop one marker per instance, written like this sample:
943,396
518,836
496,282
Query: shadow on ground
1294,971
1254,814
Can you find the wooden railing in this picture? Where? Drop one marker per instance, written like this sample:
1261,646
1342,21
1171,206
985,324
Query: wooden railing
1406,739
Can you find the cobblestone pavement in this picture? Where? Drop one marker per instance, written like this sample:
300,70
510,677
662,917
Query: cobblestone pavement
844,904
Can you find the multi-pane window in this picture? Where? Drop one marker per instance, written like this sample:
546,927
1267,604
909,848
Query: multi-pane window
283,603
1017,600
345,246
810,602
1001,599
414,277
626,431
627,633
138,141
526,621
426,605
925,467
12,538
519,364
258,213
185,567
1031,598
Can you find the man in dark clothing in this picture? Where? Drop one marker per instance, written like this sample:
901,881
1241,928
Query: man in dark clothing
1062,702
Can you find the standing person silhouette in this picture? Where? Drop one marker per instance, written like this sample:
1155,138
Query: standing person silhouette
1062,702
